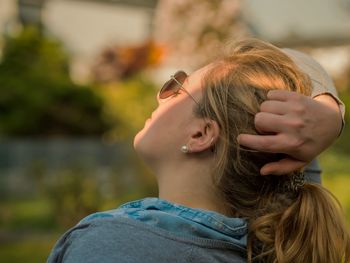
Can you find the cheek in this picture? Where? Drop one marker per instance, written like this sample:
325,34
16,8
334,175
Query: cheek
156,140
158,130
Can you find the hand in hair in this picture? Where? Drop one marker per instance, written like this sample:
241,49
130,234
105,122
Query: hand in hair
296,125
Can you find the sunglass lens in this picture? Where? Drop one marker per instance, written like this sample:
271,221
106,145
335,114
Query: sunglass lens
180,76
168,89
171,86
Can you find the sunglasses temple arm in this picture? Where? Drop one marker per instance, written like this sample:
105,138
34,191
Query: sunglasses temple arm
189,94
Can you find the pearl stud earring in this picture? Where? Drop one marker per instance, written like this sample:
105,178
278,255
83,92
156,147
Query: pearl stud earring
184,149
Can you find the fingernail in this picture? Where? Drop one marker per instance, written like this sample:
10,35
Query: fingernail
263,173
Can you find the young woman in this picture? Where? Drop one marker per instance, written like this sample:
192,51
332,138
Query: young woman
213,205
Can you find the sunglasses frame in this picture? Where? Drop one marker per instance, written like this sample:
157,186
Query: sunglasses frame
179,84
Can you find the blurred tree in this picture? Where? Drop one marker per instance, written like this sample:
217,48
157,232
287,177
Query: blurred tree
131,102
37,97
193,29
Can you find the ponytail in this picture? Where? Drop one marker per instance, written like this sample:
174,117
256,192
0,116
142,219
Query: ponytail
311,229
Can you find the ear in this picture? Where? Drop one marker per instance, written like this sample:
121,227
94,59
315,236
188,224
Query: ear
204,136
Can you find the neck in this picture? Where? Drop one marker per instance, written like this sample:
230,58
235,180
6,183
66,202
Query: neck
190,185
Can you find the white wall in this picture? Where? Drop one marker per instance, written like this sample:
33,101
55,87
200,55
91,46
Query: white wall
8,12
88,27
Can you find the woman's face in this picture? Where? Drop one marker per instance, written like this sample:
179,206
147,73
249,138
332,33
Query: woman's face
171,123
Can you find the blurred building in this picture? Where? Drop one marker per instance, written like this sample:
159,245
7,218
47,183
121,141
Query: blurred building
315,23
321,27
85,27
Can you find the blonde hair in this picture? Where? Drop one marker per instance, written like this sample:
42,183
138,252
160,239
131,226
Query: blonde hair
285,224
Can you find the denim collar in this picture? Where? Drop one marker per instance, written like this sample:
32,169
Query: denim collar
181,220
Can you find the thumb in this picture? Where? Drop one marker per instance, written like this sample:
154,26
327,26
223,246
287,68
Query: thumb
283,166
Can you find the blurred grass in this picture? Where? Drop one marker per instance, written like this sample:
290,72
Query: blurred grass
35,214
336,176
29,249
26,230
340,187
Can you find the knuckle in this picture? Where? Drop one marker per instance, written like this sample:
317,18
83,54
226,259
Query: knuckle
259,119
297,124
300,109
264,106
295,143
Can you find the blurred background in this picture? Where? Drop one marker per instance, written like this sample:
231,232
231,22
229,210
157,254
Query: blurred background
79,77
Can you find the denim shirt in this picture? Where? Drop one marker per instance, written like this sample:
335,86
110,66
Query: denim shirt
180,220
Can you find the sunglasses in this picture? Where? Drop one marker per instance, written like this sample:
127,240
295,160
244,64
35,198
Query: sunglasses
173,85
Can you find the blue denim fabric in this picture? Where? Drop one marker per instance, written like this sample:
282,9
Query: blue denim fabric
180,220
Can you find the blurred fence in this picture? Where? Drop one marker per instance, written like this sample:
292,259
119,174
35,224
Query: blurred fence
23,162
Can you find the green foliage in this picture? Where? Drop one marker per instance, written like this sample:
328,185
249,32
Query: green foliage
22,215
79,191
63,197
335,162
130,102
336,176
32,55
74,194
342,145
29,249
37,97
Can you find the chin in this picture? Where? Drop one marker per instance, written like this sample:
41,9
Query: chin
140,144
137,140
146,148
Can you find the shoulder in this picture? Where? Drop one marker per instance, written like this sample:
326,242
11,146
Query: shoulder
101,239
113,239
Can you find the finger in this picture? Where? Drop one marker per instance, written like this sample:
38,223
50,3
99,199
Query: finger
284,166
263,143
281,95
275,107
268,122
